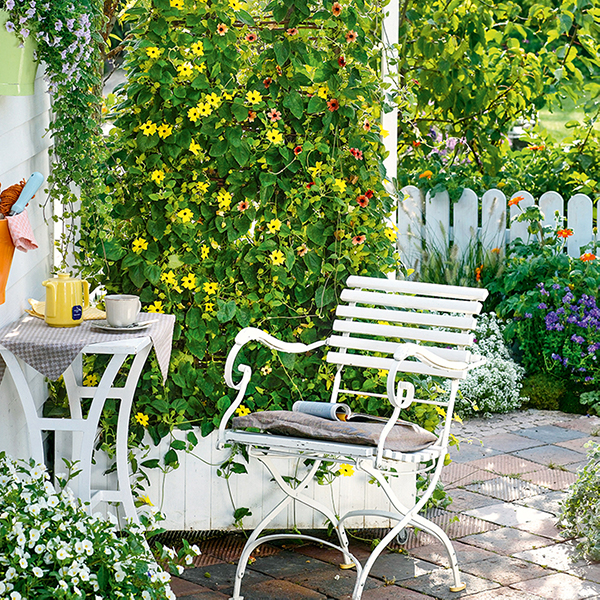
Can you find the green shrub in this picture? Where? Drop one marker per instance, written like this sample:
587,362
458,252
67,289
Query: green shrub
544,391
246,186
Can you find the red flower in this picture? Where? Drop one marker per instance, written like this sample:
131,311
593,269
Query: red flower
297,150
274,115
309,185
267,82
564,233
336,9
358,155
251,37
416,144
292,31
587,257
243,205
333,105
351,36
358,239
342,61
362,201
369,194
279,70
515,201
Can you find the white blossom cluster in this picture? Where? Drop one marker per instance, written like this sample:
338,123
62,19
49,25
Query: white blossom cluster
50,547
495,386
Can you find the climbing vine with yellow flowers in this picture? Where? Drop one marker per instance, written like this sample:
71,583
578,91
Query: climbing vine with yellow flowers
245,185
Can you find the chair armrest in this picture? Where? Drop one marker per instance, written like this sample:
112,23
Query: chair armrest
252,334
430,358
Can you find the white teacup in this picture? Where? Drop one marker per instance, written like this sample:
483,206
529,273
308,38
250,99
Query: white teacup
122,310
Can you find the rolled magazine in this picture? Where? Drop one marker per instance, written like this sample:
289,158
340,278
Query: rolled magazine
333,412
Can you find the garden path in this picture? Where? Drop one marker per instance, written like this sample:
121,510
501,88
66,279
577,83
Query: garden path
506,480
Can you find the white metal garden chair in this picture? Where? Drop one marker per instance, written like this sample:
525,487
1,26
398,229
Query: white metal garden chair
399,326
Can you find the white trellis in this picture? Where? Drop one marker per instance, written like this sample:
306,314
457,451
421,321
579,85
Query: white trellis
433,220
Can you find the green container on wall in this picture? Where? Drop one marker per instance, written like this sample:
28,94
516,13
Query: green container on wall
17,65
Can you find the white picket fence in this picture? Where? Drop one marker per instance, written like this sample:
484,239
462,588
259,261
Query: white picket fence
424,220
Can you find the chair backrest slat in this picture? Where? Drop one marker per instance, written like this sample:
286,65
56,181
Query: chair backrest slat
404,316
411,302
403,333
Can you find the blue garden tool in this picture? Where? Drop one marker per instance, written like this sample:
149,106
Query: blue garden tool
31,187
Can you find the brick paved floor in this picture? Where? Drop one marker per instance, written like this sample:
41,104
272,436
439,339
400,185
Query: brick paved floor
507,479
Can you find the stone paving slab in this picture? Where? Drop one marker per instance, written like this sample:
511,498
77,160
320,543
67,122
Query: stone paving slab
220,577
181,587
578,444
576,466
507,541
465,553
470,451
329,555
463,500
551,434
437,584
560,557
459,474
547,455
506,464
506,488
555,479
508,442
392,592
504,593
560,586
286,564
508,514
587,424
548,502
397,567
504,570
545,528
276,589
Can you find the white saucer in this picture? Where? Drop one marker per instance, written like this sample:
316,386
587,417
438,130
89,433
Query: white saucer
104,326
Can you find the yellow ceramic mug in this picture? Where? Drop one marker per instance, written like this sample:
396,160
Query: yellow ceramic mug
66,298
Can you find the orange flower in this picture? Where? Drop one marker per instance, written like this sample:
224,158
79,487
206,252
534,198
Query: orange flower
333,105
587,257
358,239
292,31
362,201
251,37
302,250
367,125
243,205
336,9
351,36
496,250
342,61
416,144
478,273
251,116
426,174
564,233
297,150
222,29
515,201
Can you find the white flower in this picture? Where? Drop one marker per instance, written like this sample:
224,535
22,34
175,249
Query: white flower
39,548
53,501
37,572
196,550
23,563
63,584
189,559
146,595
119,576
180,569
79,549
10,573
3,587
164,577
88,547
62,554
15,596
34,535
171,595
21,539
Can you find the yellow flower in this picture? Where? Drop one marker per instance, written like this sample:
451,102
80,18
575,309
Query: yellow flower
202,187
275,136
382,372
204,109
274,225
157,176
242,411
145,500
185,71
189,281
197,48
235,5
384,133
169,278
156,307
142,419
164,131
213,100
390,234
148,128
346,470
195,147
210,287
185,215
339,185
224,198
209,307
204,252
323,93
227,95
314,171
153,52
178,4
91,379
426,174
138,245
254,97
277,257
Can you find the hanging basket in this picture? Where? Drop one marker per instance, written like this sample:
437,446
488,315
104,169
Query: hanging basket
17,65
7,249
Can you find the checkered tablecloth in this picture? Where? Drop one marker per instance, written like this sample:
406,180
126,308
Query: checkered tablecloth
50,350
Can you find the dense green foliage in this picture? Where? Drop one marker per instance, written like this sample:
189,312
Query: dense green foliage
245,185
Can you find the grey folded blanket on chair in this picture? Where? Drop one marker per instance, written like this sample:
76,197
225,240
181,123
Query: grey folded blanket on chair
404,436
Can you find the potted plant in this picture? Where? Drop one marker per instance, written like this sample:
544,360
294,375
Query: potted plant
18,66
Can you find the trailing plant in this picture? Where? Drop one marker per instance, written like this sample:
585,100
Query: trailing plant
580,512
51,548
245,185
68,44
495,386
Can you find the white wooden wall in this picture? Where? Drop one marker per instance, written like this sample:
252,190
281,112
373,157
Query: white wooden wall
425,220
23,150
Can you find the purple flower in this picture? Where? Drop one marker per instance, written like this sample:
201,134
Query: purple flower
542,306
70,24
555,356
528,315
588,378
25,33
10,4
10,26
555,286
58,25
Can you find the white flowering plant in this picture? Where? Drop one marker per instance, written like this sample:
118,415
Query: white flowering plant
51,548
495,386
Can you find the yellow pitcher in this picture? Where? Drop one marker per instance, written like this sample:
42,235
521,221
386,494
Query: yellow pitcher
66,298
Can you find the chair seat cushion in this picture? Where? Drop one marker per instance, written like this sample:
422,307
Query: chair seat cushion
404,436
